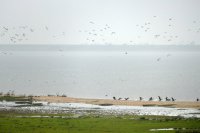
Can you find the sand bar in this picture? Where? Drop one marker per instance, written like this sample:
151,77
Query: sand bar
176,104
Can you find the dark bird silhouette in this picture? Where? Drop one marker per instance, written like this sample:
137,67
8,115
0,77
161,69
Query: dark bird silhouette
141,98
160,99
151,98
173,99
167,99
197,99
114,98
126,98
119,98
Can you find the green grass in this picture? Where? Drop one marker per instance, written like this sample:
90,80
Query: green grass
9,123
14,98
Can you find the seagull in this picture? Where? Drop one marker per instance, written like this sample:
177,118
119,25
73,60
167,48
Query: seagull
46,28
91,22
156,36
168,55
31,30
158,59
5,28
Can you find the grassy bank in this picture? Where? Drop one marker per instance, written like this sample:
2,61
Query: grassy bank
17,122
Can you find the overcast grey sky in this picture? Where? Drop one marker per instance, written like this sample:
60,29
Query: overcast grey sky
99,21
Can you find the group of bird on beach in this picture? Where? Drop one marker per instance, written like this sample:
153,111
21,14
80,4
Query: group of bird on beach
151,99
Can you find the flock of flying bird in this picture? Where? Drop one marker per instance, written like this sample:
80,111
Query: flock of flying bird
97,35
146,27
19,34
105,33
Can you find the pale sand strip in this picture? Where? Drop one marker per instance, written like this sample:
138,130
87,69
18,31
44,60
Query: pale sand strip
177,104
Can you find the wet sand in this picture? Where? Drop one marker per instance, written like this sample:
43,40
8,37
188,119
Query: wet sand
106,102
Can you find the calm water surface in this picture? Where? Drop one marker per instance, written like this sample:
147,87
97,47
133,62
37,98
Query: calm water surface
101,71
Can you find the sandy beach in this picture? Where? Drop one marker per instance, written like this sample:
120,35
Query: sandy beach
176,104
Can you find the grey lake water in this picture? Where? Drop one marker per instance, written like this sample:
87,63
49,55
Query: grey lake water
101,71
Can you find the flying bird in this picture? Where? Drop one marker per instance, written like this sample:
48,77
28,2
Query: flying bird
31,30
158,59
91,22
46,28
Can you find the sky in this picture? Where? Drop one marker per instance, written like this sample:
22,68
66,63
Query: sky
100,22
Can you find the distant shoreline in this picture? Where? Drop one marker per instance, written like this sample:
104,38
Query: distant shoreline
109,102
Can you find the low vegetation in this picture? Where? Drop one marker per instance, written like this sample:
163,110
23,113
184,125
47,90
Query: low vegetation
49,123
12,121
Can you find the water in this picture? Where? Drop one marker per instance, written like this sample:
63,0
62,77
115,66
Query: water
84,109
101,71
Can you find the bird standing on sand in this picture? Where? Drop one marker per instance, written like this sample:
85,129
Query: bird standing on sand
151,98
167,99
173,99
160,99
141,98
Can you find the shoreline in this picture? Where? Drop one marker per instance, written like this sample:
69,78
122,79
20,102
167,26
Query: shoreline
110,102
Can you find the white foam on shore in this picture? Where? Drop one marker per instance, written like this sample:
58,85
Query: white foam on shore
162,129
116,109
